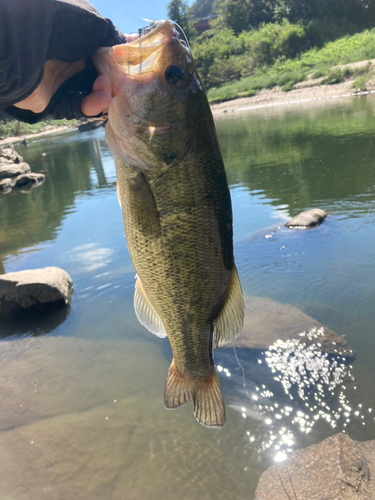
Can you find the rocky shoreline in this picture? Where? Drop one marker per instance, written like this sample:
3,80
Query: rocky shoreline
14,172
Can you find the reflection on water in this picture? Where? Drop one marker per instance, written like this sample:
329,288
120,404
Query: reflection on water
88,391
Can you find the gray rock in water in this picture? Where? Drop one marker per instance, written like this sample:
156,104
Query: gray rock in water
267,322
336,468
91,125
12,170
38,287
8,155
307,218
31,177
7,184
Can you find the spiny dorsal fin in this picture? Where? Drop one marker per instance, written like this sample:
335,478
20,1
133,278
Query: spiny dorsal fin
145,312
229,323
204,392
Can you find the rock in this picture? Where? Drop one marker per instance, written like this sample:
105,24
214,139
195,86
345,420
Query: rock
267,321
80,423
91,125
31,177
7,184
25,142
337,468
38,287
307,218
9,155
12,170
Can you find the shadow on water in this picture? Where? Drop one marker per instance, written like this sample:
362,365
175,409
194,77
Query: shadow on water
36,322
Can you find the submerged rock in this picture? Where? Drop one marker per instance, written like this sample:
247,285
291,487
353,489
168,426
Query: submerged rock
338,467
13,169
24,290
29,178
267,322
307,218
81,423
7,184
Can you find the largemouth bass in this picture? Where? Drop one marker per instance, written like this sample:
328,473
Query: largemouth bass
176,206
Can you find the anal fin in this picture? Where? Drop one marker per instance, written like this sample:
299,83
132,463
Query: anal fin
229,323
145,312
203,392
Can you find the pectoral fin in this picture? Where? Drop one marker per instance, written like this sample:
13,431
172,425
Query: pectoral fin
145,312
228,324
137,201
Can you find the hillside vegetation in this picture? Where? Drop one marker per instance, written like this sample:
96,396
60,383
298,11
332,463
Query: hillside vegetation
256,44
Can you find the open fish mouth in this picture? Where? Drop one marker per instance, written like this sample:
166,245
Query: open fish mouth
142,59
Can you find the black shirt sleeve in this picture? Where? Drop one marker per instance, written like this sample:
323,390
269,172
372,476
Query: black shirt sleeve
34,31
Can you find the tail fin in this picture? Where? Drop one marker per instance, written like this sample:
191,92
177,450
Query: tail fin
204,392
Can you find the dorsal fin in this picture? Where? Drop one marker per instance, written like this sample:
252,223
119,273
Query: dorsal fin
145,312
229,323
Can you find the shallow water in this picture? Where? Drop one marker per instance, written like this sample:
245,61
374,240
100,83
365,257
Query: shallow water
81,389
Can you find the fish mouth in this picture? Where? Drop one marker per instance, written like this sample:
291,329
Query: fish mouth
143,59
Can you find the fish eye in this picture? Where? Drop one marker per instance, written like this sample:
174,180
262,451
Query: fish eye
173,74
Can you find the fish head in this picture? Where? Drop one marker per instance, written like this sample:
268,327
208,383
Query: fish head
154,108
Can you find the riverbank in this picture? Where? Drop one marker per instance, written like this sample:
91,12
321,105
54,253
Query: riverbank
309,90
47,131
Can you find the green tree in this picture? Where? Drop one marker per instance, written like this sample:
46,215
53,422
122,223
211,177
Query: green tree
241,15
178,11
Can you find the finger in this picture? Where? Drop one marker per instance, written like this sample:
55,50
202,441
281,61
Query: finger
95,103
102,83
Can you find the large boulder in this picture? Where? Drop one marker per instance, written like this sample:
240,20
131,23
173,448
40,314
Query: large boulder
307,219
336,468
13,169
23,290
267,322
8,155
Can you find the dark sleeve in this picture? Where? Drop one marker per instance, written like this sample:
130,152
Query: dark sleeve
33,31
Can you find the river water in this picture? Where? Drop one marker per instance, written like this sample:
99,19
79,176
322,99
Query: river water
81,388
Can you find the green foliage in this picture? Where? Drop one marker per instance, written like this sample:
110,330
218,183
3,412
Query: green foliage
223,57
313,63
201,8
335,76
360,83
10,127
178,11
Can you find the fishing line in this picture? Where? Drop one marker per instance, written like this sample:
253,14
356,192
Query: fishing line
243,372
154,24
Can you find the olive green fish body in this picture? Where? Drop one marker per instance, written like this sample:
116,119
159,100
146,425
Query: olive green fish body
181,249
177,213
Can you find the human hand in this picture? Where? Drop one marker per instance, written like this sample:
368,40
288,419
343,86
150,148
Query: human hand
55,73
